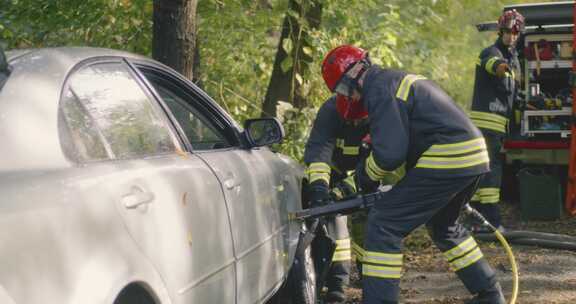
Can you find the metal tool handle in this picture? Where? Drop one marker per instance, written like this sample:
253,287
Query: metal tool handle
344,206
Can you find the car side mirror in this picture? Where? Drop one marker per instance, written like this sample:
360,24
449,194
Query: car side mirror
263,131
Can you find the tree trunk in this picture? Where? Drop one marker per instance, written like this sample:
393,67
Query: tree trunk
284,85
174,40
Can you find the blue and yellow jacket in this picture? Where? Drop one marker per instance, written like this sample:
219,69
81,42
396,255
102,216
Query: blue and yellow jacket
334,145
413,121
493,97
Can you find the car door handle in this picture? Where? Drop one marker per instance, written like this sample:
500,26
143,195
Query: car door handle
231,183
137,197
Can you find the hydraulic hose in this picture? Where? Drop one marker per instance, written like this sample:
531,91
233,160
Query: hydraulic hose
502,239
546,240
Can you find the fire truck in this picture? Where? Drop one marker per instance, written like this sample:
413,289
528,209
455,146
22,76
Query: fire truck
540,150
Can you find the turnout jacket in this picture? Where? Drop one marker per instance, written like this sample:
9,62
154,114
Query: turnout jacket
493,97
413,121
334,145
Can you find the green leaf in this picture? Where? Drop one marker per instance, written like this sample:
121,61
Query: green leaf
287,45
286,64
299,78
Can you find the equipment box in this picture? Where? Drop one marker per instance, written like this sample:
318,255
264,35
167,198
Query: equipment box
540,194
547,122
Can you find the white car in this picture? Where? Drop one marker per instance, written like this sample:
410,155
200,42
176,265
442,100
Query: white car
122,182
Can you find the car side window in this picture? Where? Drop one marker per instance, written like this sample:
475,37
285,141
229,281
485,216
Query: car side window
199,130
82,142
114,104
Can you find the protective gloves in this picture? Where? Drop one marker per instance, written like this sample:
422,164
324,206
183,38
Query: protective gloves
501,70
343,189
363,182
319,194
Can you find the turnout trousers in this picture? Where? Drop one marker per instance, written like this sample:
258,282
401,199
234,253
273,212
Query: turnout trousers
415,201
339,274
487,197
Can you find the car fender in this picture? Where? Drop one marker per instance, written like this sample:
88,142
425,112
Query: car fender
97,285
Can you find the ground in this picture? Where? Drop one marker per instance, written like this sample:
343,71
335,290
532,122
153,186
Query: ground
546,275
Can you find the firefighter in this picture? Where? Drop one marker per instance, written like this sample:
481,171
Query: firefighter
333,149
412,121
495,90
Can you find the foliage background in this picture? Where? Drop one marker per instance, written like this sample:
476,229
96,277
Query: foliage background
238,40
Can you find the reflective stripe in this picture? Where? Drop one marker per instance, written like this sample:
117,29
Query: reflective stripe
457,148
490,65
460,249
466,260
350,182
341,256
350,150
319,176
373,170
319,167
489,125
342,252
453,162
493,199
343,244
384,272
407,82
489,121
358,251
488,195
318,171
485,191
489,117
455,155
347,150
390,259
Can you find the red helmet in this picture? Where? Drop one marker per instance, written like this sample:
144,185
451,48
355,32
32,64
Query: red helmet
338,61
511,20
350,109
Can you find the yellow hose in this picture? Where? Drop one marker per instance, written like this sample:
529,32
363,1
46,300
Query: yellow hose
512,260
509,253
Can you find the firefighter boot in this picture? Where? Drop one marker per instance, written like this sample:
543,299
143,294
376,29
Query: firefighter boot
335,297
492,295
337,279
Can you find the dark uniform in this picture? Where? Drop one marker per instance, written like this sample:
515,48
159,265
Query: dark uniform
333,149
412,121
491,108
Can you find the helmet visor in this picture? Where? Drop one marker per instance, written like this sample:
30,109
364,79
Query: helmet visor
343,88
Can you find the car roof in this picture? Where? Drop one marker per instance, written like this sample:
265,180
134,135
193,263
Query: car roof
29,104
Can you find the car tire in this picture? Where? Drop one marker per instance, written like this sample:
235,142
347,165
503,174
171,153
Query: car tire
300,286
134,294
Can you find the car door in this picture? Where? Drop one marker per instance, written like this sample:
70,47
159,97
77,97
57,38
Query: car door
171,202
251,184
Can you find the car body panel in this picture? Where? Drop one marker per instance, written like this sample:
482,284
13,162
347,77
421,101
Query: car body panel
258,225
61,240
173,223
183,228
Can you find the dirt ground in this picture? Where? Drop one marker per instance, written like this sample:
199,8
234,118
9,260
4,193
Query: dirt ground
546,275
